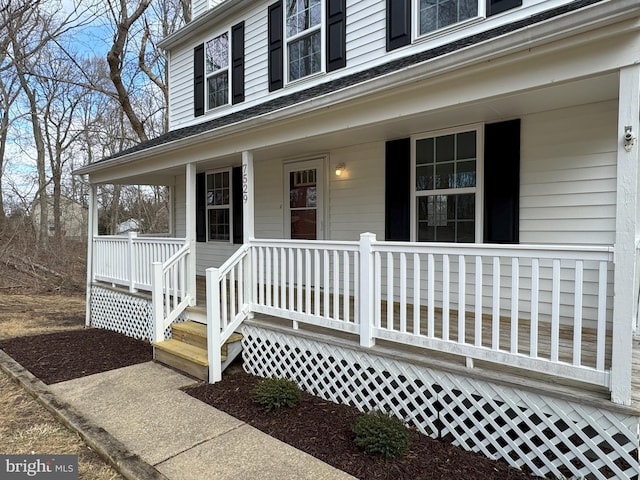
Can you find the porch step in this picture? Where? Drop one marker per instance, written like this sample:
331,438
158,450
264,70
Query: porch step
187,349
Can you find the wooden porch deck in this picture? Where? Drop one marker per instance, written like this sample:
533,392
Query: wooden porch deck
499,372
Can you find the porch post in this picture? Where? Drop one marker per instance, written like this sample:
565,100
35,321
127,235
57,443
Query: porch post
366,290
92,230
248,222
190,224
625,279
131,236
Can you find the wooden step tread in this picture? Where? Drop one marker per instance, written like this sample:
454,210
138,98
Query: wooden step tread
235,337
193,328
184,350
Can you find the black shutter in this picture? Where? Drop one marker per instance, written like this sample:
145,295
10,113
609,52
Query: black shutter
201,207
198,80
398,23
336,34
397,191
502,182
498,6
237,63
237,204
276,51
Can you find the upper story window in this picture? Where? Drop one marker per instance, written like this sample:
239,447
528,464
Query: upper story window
436,14
217,71
446,187
303,27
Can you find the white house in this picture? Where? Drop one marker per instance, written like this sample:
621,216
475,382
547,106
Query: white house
424,206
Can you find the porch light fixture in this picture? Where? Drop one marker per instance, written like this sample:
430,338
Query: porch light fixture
629,139
340,168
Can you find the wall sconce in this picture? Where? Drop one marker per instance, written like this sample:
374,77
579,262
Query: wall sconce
629,140
341,167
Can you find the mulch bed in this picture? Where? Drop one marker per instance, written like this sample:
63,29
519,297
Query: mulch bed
57,357
324,429
318,427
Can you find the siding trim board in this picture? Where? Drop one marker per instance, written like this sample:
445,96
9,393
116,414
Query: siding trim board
348,80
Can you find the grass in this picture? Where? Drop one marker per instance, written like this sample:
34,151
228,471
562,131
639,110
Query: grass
26,427
35,314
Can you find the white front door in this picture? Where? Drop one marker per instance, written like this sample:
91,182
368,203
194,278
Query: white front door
304,200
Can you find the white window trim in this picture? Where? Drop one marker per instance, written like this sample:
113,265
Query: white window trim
478,189
219,207
482,13
287,40
227,69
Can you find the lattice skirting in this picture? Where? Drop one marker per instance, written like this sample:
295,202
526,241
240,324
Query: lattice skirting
127,314
545,435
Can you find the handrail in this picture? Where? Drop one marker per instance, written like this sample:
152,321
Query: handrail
170,294
173,259
223,316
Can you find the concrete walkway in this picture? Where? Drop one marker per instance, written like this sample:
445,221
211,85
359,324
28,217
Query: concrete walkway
139,414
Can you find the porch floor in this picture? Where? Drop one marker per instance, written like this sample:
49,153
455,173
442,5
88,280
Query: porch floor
498,372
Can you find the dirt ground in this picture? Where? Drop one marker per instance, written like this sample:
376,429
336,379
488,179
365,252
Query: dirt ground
25,426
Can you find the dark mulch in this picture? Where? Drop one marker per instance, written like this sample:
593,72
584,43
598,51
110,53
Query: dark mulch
324,430
320,428
57,357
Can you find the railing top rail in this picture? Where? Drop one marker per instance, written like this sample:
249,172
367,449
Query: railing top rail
597,253
173,259
233,259
139,239
309,244
167,240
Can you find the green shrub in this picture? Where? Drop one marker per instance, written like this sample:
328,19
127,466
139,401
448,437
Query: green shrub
276,393
381,433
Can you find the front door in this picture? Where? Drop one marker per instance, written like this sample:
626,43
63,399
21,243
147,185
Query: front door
304,200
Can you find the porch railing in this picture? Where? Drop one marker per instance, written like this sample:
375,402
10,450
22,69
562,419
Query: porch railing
541,308
170,290
125,260
228,293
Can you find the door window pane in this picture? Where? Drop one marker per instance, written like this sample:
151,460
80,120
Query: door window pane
303,224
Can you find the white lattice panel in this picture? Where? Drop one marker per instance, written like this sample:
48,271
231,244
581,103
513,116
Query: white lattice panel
539,433
126,314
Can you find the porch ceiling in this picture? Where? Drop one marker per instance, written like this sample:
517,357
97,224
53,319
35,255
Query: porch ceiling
557,96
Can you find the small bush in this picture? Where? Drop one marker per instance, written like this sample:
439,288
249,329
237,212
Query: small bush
381,433
276,393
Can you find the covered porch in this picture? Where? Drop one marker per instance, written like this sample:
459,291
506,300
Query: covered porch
543,309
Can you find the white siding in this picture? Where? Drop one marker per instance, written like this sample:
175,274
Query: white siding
269,218
198,7
568,176
180,204
366,48
356,199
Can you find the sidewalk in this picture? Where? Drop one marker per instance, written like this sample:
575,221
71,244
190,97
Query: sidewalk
139,417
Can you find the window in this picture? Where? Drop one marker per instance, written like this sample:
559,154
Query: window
217,71
436,14
446,178
219,206
303,28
